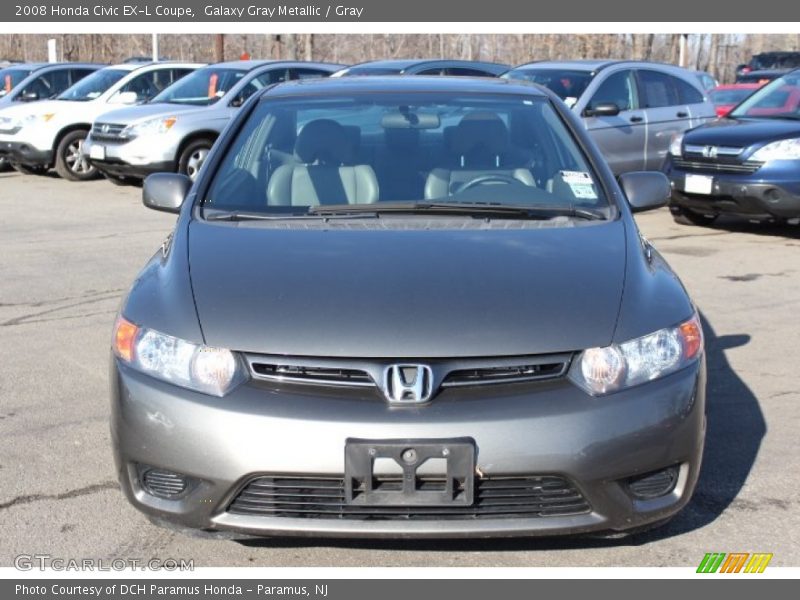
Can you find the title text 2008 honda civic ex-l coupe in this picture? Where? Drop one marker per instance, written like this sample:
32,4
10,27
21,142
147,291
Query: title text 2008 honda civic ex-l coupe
407,307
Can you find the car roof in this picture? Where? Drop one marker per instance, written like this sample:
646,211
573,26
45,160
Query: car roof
594,65
736,86
163,63
405,63
412,83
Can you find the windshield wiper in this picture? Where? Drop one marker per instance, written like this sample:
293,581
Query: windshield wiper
231,215
481,209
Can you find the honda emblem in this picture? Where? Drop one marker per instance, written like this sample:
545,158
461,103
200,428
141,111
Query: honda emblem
408,384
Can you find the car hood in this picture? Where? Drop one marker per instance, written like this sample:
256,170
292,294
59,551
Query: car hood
143,112
406,293
742,133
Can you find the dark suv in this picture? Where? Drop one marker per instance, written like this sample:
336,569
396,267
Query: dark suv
747,163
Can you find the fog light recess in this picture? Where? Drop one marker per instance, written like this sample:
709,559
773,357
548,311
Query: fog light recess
654,484
162,483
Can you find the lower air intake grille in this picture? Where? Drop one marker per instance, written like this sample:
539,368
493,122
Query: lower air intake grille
324,498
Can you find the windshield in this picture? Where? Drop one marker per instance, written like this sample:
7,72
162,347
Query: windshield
722,97
779,99
201,88
775,61
368,149
94,85
9,78
567,85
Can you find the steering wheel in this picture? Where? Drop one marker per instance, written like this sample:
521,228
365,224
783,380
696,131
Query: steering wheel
481,179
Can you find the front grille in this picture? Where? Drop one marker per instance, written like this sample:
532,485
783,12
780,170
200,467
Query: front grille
324,498
371,372
719,166
109,132
512,374
312,375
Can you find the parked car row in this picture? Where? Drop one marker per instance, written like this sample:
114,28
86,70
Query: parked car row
129,120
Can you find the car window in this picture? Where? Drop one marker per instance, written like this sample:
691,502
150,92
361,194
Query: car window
48,85
308,151
619,89
307,73
94,85
568,85
257,83
150,84
76,75
687,93
10,78
202,87
434,71
657,89
464,72
778,99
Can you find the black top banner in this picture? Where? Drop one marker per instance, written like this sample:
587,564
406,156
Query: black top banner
261,11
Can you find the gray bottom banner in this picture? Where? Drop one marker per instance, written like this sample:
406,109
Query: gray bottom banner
373,589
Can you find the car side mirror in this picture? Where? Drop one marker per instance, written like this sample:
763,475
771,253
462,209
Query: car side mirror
165,191
645,190
604,109
126,98
29,96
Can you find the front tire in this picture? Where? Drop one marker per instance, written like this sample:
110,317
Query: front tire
688,217
70,163
193,157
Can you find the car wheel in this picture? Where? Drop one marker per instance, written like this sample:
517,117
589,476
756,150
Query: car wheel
4,165
29,170
70,163
687,217
193,157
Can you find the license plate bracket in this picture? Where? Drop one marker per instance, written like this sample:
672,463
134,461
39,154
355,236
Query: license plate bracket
97,152
698,184
363,488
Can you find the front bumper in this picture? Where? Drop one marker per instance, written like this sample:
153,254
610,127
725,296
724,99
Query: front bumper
520,429
25,154
771,192
136,158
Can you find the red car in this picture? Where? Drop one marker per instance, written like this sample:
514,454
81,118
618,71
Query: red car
725,97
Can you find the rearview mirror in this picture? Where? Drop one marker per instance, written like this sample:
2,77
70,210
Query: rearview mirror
125,98
604,109
645,190
165,191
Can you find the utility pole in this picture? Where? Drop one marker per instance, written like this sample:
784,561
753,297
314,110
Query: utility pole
682,57
155,47
219,47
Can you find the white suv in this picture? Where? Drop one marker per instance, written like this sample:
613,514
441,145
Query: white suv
50,134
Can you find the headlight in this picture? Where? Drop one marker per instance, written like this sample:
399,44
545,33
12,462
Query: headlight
782,150
201,368
675,145
149,127
605,370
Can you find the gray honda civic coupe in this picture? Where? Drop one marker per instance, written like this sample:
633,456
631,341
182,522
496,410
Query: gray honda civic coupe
407,307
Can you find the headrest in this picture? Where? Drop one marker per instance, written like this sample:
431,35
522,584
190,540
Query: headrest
324,141
480,131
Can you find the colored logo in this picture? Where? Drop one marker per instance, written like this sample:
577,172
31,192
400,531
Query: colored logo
734,562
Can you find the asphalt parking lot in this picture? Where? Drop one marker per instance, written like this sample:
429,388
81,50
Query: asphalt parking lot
68,251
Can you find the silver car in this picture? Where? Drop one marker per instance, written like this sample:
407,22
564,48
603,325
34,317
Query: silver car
632,110
175,131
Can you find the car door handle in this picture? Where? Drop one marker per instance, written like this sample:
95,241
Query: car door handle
636,119
682,115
